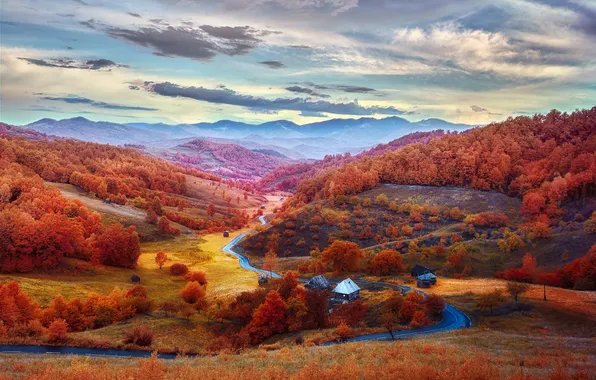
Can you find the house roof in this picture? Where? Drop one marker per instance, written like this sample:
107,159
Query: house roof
347,286
418,270
426,277
319,282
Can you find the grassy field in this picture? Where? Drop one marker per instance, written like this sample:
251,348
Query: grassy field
470,354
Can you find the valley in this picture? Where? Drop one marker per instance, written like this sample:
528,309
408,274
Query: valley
148,255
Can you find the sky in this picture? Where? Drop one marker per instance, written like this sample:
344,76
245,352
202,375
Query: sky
187,61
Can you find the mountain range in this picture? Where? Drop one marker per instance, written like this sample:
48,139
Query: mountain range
314,140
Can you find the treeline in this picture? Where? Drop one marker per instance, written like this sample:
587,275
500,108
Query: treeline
39,226
287,177
545,159
580,274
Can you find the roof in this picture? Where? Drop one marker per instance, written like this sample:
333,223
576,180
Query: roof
418,270
347,286
427,277
318,282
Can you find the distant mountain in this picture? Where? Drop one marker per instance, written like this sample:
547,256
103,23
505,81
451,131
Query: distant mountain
95,131
29,134
313,140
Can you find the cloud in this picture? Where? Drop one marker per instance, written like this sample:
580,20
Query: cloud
201,43
273,64
352,89
478,109
73,99
307,91
134,14
313,114
302,47
67,63
231,97
335,7
453,47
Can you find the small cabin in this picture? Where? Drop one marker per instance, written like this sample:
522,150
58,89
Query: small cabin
426,280
226,234
135,279
263,280
318,283
346,291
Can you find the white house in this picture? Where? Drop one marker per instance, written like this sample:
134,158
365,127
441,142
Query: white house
347,290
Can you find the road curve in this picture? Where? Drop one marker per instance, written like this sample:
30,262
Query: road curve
453,318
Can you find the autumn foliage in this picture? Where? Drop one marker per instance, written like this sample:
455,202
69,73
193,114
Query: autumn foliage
385,263
545,159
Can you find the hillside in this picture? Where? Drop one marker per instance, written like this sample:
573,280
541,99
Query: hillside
225,160
287,177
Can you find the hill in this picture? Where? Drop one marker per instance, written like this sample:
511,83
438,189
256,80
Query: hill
225,160
287,177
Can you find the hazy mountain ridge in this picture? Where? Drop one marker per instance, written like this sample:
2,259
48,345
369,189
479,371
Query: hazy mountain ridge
313,140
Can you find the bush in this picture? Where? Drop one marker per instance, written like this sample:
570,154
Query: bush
178,269
140,336
197,276
57,332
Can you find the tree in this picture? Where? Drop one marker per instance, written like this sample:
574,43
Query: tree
161,258
211,210
342,255
517,288
434,305
270,262
385,263
390,312
419,319
164,226
192,292
58,331
343,332
490,300
117,246
590,224
269,318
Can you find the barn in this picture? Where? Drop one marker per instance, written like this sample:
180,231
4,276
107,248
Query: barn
346,291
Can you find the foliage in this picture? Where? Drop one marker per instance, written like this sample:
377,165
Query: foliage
139,335
343,256
178,269
385,263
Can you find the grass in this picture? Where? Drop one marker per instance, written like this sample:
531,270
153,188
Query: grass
473,353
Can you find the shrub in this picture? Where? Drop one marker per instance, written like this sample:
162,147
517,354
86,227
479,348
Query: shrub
178,269
57,332
140,336
192,292
197,276
385,263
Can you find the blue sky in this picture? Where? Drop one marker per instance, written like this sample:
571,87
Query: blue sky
180,61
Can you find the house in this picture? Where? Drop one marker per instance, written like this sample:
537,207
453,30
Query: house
226,234
318,283
346,291
135,279
419,270
263,280
426,280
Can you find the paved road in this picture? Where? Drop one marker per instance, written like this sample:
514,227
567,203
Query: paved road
453,319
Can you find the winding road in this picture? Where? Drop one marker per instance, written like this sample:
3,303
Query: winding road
453,319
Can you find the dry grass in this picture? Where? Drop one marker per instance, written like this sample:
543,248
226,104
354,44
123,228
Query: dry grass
473,354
